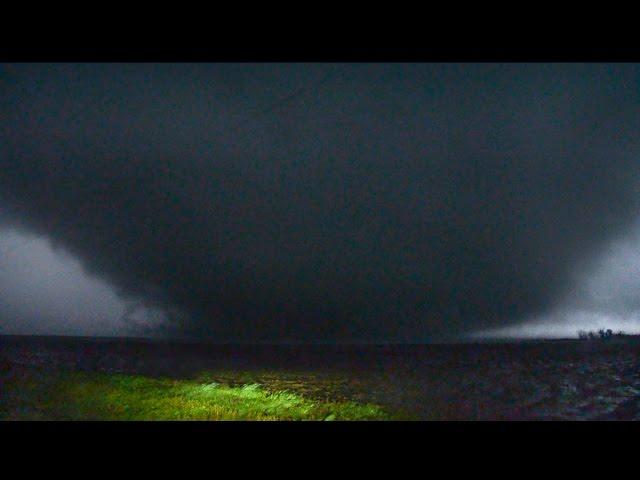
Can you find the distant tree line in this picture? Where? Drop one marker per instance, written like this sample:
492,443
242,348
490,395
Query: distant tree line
601,334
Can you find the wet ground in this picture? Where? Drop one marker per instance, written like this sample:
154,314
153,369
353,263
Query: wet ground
554,380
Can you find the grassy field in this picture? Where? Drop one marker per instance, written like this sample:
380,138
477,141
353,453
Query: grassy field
80,378
105,396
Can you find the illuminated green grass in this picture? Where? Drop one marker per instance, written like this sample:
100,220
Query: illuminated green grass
100,396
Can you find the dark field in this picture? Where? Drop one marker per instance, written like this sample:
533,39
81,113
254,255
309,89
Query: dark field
76,378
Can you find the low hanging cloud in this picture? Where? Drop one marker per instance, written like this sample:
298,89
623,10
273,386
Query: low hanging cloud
323,202
604,294
43,291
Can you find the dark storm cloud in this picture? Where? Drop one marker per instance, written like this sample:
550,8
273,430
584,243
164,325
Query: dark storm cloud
319,202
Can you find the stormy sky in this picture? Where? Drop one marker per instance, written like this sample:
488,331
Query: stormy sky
319,202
